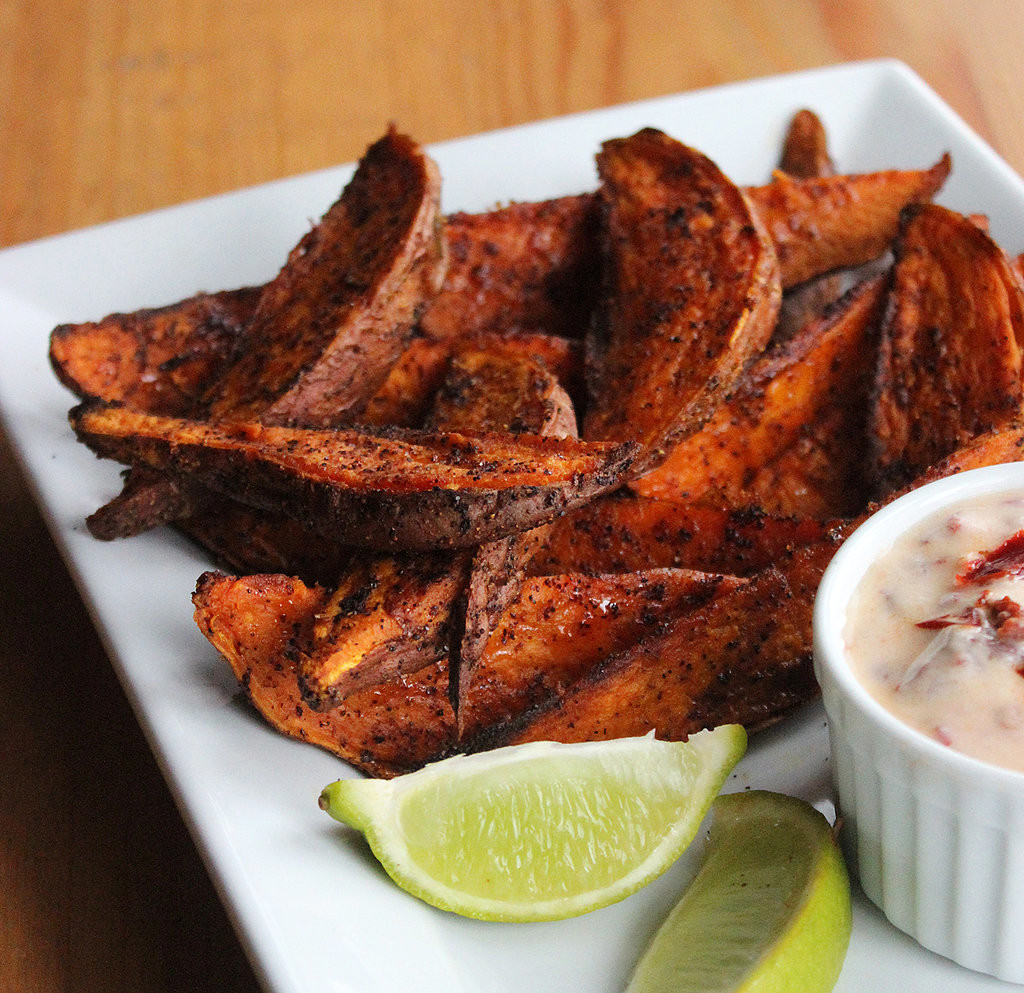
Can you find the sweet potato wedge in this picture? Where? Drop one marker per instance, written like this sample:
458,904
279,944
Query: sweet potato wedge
497,392
805,153
397,490
161,360
523,267
330,325
245,541
624,532
409,391
809,395
745,657
148,499
392,615
257,623
386,617
691,292
836,222
950,359
561,627
260,624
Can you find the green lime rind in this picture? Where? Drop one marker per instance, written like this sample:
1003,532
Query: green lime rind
769,910
540,831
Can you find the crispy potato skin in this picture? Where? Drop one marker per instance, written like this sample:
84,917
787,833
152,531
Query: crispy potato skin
691,294
950,358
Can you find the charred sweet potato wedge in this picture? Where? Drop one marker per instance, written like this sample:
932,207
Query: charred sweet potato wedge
409,392
691,292
388,616
810,394
397,490
148,499
497,392
836,222
988,448
245,541
623,532
523,267
393,615
805,153
950,359
161,360
260,624
561,627
331,324
744,657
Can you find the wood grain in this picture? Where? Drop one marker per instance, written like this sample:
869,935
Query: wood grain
110,108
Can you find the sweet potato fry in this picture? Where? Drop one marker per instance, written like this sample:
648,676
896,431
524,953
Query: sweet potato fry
835,222
257,622
397,490
561,627
160,360
246,541
148,499
331,324
691,293
393,615
388,616
623,532
260,623
409,391
524,267
499,392
805,153
988,448
950,359
744,656
808,395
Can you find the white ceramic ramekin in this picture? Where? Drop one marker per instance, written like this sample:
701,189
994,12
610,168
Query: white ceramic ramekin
935,837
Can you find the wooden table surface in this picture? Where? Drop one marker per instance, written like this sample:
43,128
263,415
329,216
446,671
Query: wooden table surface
110,108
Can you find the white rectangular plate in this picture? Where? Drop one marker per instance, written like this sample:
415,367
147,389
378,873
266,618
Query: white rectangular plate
312,908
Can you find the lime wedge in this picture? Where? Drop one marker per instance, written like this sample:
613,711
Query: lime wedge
769,910
539,831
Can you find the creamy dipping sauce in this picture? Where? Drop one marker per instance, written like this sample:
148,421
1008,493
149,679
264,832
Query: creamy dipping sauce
935,629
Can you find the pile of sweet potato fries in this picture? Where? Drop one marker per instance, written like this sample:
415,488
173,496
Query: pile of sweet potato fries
561,470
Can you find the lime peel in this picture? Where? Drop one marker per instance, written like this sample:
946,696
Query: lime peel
768,911
540,831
